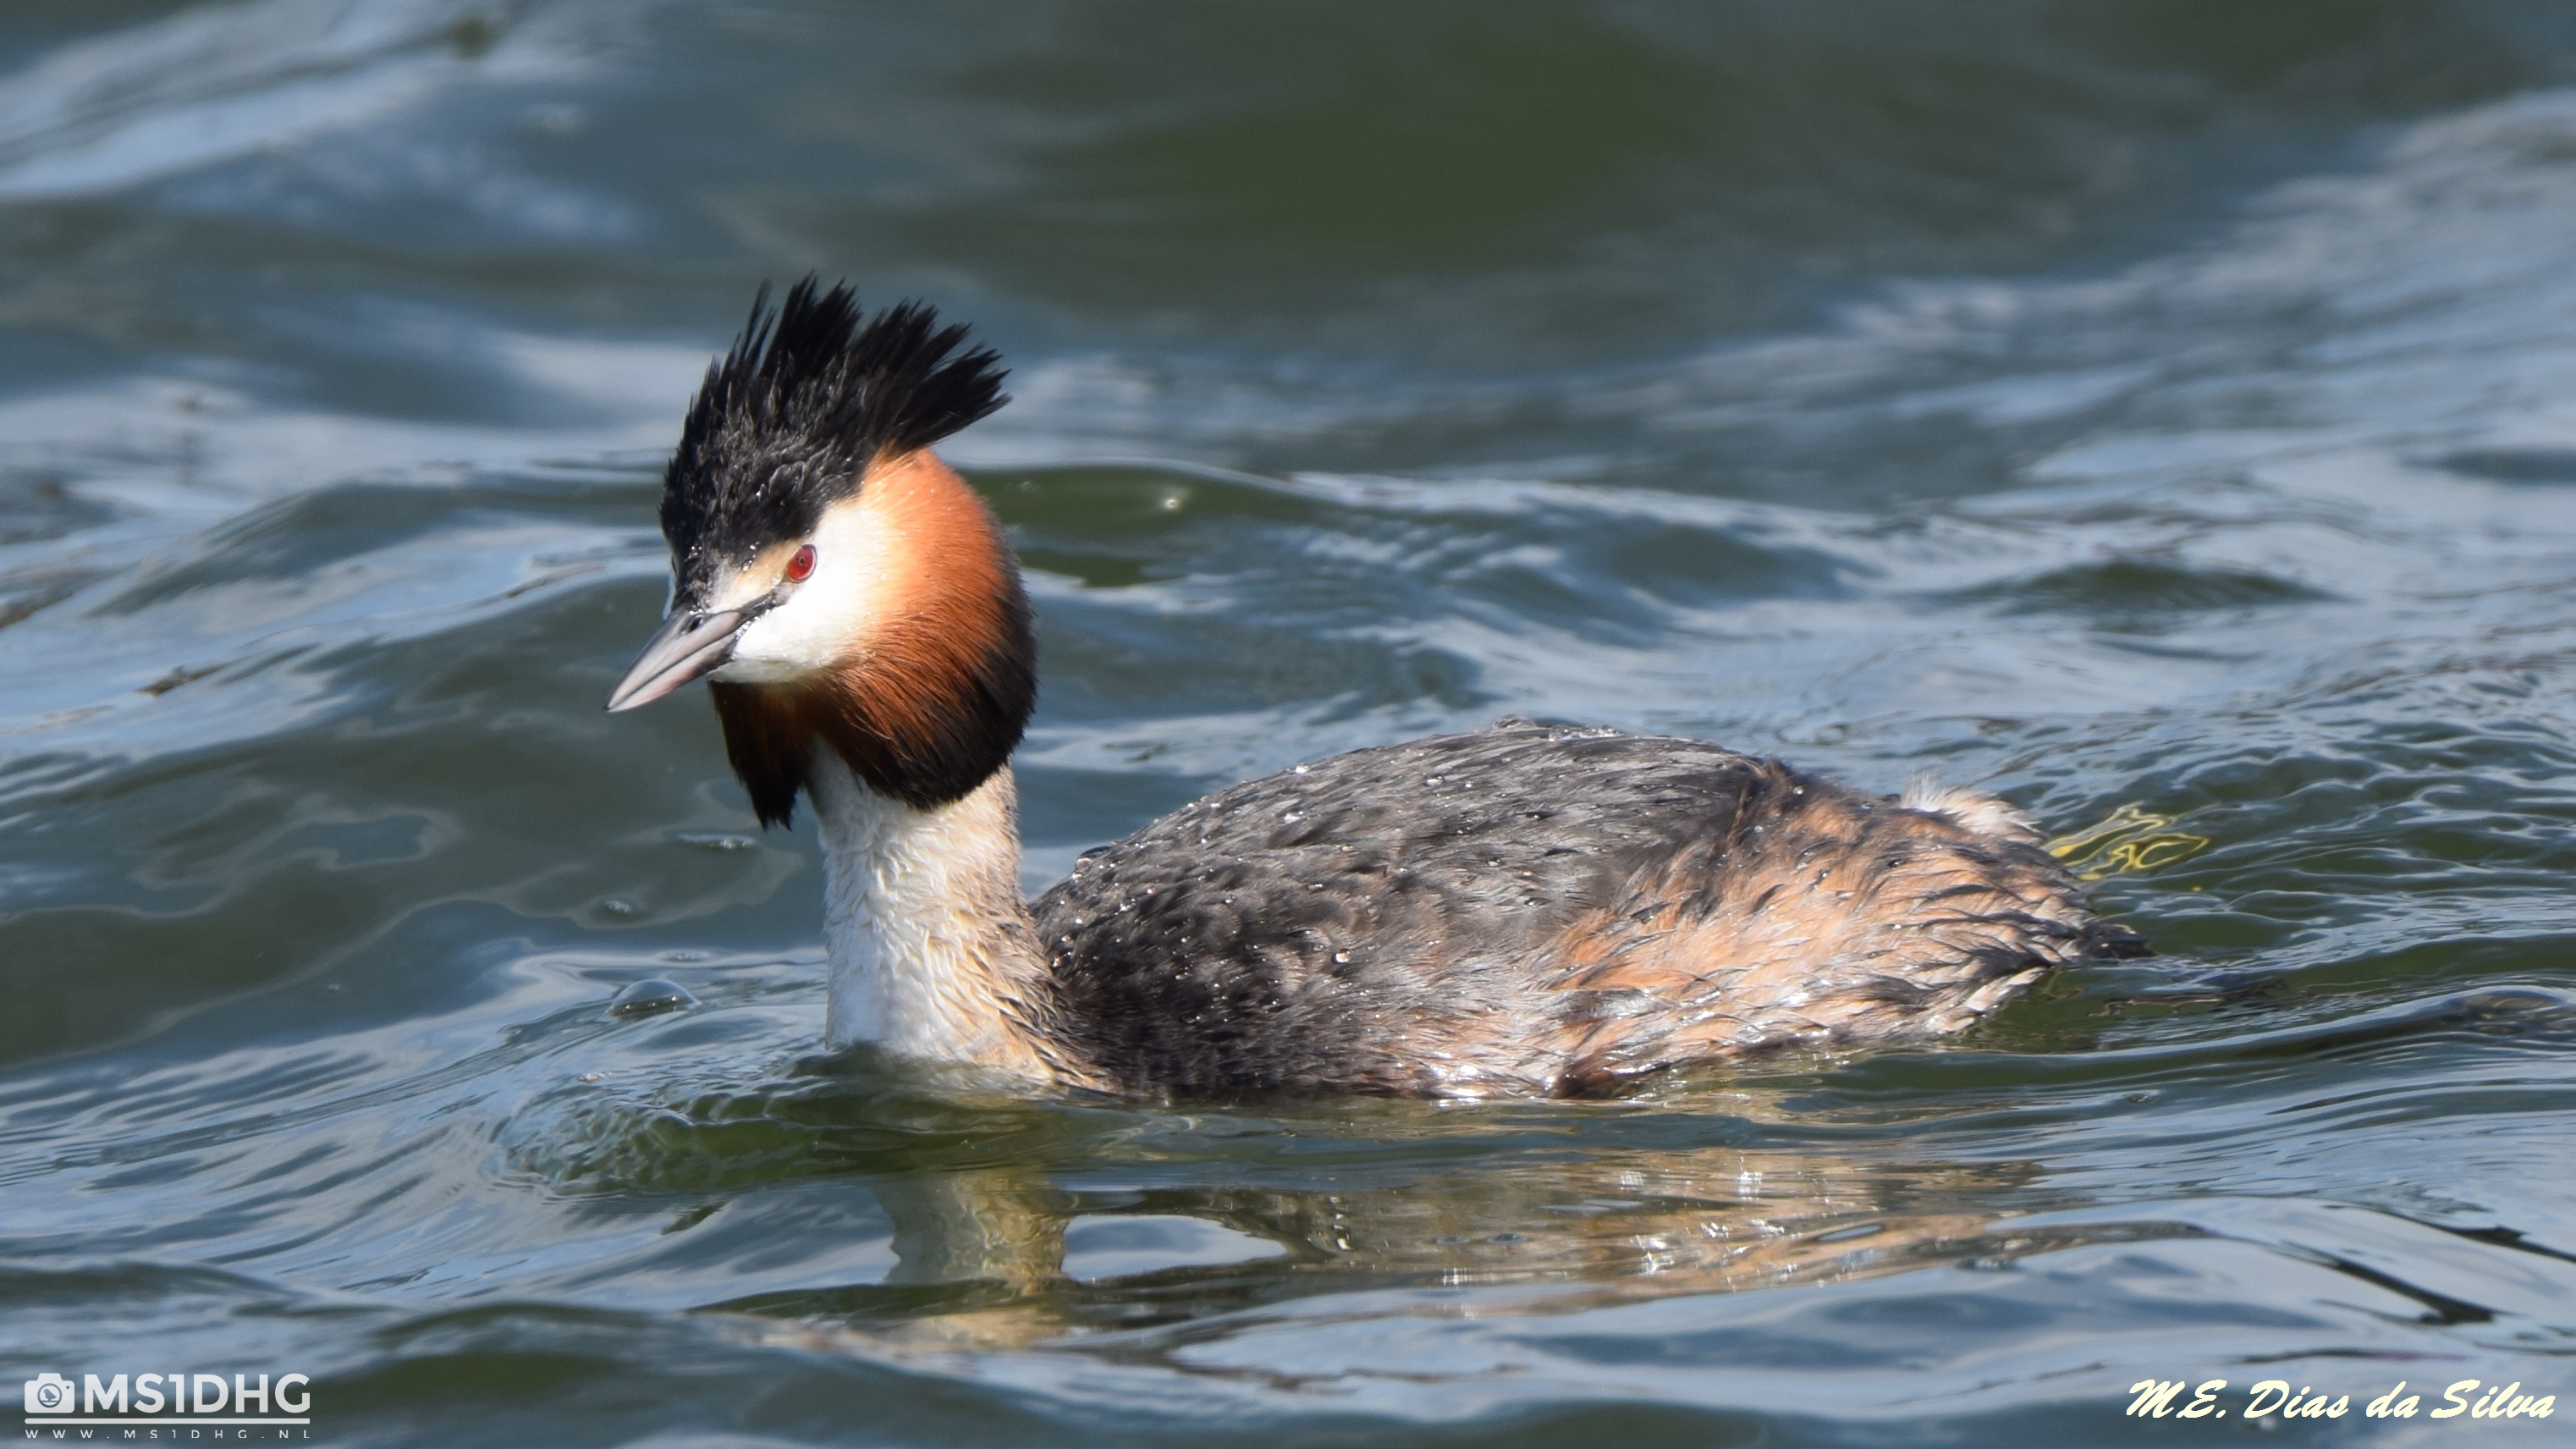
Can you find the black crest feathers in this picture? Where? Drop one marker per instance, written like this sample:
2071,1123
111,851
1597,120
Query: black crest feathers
787,422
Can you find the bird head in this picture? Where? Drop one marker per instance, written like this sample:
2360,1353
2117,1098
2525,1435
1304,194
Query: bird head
838,586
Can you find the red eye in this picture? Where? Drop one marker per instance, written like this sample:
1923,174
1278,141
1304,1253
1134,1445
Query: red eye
802,565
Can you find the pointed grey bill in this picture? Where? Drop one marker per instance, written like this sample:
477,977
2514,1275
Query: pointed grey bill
687,645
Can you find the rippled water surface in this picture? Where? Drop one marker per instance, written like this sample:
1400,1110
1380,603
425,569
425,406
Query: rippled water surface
2163,414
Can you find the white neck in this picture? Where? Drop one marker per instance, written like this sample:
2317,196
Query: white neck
931,950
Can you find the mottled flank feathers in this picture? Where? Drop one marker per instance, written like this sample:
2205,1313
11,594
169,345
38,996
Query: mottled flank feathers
1526,911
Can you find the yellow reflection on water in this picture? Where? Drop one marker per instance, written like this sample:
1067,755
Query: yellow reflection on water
2128,840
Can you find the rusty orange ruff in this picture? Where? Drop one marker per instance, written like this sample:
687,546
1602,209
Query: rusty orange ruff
918,706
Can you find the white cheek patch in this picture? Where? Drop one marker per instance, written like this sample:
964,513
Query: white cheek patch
828,616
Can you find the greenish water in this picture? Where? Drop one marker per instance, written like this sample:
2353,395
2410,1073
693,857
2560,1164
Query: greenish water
2161,413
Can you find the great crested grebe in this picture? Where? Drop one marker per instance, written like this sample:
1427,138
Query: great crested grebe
1517,911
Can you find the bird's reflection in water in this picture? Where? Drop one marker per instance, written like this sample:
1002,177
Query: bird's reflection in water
985,1262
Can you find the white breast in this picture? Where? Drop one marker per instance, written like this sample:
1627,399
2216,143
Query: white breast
928,941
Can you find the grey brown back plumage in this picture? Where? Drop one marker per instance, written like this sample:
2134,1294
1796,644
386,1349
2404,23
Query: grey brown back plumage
1526,909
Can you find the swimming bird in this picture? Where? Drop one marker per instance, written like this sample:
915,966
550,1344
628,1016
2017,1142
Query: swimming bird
1524,910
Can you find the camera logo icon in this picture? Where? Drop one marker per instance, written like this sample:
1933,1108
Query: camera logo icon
49,1393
